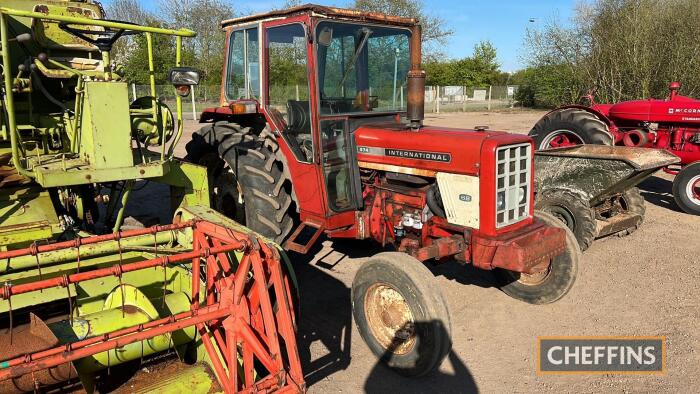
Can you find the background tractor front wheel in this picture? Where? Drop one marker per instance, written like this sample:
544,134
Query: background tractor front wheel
686,189
550,285
401,313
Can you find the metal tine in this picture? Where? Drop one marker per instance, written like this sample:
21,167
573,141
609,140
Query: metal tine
35,251
9,303
77,250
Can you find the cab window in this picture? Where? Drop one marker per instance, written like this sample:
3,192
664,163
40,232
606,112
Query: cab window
243,72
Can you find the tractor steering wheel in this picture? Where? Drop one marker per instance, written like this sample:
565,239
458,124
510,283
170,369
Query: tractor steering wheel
102,39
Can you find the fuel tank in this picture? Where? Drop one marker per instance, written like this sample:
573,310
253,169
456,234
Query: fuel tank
681,110
429,149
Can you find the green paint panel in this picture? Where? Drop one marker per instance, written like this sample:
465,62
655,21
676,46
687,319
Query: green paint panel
26,215
105,139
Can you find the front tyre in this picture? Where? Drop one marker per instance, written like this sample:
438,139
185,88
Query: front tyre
686,189
550,285
401,313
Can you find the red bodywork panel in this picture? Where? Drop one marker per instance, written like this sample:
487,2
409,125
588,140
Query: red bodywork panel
680,110
527,250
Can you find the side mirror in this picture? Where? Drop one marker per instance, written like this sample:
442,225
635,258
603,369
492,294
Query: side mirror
183,78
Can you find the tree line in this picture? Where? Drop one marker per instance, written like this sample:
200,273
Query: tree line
616,49
205,51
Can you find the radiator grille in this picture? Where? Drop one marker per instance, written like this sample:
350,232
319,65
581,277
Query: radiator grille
512,183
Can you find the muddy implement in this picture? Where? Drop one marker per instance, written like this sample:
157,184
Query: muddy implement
599,178
222,302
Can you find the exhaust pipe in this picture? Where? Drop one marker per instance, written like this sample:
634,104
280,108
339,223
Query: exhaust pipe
415,107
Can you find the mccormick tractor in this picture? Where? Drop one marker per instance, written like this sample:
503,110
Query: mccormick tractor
320,131
672,124
83,301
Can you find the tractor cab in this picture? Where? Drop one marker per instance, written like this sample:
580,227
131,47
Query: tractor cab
313,75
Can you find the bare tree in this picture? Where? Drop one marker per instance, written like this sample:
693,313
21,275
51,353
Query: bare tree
204,17
435,34
128,11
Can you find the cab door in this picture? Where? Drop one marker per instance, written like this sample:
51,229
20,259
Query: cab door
290,105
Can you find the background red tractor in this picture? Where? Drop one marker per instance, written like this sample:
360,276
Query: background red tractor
672,124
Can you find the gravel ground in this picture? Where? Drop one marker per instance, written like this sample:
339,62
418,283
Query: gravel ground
644,284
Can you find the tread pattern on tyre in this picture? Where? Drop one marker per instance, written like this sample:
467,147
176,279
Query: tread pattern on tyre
583,123
258,170
585,229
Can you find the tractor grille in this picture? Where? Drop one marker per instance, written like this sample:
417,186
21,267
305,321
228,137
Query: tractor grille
512,183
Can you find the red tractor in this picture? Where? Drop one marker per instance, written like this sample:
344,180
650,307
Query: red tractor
313,136
672,124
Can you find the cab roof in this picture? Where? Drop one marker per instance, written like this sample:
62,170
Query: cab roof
325,12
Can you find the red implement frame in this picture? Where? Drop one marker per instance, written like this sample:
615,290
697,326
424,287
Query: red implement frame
246,314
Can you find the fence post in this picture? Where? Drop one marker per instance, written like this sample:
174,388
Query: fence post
297,89
194,107
437,99
464,99
489,104
133,90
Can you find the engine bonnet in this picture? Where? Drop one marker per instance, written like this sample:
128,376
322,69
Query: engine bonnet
431,149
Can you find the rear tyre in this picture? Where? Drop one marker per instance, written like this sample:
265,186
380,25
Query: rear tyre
633,202
401,313
686,189
573,210
246,179
570,126
548,286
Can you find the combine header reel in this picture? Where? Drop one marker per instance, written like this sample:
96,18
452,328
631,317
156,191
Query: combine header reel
223,299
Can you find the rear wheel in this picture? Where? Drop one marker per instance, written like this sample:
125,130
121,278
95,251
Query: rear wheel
246,179
401,313
553,283
686,189
570,126
573,210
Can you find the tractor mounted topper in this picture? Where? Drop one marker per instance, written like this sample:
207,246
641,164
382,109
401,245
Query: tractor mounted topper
84,302
672,124
320,131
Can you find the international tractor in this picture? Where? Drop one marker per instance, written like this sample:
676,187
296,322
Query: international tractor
319,131
672,124
85,303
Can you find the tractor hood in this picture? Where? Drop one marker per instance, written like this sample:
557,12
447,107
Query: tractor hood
679,110
393,146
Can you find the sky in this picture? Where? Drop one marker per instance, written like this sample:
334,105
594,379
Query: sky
503,22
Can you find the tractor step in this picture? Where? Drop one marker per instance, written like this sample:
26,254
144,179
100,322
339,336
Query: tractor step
304,237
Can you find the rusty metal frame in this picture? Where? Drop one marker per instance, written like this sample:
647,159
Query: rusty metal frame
238,320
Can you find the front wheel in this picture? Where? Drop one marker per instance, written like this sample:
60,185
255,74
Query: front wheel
401,313
686,189
553,283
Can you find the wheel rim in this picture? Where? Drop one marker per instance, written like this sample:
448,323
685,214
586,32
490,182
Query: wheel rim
564,215
560,138
533,279
692,189
389,318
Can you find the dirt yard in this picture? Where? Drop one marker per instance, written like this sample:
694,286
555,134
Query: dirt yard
645,284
